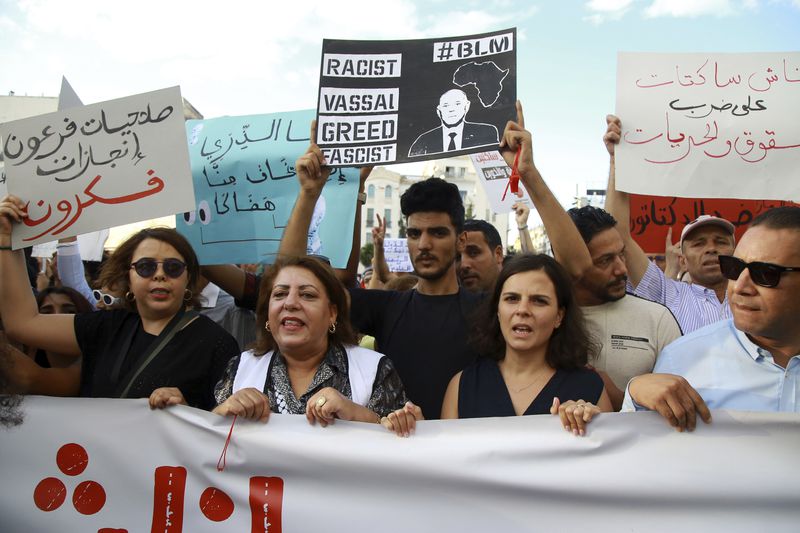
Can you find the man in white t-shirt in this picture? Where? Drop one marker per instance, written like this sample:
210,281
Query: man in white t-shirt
629,330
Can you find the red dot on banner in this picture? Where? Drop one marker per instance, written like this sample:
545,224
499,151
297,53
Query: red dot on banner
89,497
72,459
216,505
49,494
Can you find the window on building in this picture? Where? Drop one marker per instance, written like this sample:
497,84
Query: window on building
371,191
387,192
462,171
450,172
463,195
387,216
370,216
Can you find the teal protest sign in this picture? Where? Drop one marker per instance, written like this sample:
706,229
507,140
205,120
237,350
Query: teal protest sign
245,186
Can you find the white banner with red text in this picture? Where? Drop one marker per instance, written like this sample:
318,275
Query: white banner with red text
83,465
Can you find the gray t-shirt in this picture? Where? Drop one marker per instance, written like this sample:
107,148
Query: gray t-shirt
631,333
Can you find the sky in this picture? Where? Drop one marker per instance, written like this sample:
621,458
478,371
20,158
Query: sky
242,58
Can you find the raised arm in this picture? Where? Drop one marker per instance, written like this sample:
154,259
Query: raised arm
380,274
21,318
229,278
568,246
618,203
521,213
70,268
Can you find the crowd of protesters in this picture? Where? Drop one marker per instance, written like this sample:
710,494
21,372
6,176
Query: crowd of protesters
471,333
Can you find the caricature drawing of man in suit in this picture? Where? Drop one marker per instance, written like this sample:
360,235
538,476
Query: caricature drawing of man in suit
455,133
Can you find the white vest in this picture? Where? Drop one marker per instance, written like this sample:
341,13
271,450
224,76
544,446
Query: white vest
362,369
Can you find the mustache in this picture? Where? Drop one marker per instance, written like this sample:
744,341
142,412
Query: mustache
623,279
424,255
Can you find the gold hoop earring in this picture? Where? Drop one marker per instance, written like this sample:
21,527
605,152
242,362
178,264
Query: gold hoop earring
332,329
130,296
266,326
189,297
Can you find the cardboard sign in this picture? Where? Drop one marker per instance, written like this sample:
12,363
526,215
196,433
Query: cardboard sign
92,167
383,102
245,184
709,125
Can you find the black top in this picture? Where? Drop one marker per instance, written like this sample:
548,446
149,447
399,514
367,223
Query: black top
424,336
387,390
193,361
482,392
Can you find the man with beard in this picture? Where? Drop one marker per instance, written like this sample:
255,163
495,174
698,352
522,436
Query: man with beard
703,240
631,331
424,331
749,363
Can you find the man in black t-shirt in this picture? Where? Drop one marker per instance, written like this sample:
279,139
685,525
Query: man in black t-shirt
424,331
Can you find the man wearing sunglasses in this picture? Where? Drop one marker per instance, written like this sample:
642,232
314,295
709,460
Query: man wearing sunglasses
703,240
749,363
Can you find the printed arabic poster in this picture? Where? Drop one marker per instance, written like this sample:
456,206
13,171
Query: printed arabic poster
493,172
396,253
652,216
101,165
383,102
246,186
709,125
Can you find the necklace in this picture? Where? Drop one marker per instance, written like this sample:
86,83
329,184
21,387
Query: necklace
529,385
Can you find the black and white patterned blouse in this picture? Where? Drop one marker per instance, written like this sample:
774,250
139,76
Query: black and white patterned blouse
388,393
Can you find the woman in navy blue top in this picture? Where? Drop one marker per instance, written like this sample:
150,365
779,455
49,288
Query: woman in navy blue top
535,348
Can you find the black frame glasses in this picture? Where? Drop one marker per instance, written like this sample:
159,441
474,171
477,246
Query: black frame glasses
147,267
764,274
106,298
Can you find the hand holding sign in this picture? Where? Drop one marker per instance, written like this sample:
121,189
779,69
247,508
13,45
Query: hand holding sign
311,169
517,139
611,138
12,209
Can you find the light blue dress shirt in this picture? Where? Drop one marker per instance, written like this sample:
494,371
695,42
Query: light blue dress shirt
730,371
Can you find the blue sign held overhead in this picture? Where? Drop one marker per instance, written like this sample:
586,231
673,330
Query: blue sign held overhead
245,187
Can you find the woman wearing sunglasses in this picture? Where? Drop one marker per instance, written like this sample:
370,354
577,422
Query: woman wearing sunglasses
152,343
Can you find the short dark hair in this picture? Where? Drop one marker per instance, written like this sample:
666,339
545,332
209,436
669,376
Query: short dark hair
490,233
436,195
784,217
336,293
81,304
570,346
115,271
591,220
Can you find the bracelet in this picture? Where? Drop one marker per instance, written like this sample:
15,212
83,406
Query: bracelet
379,418
5,248
522,228
362,197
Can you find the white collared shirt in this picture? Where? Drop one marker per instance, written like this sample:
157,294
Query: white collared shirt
446,131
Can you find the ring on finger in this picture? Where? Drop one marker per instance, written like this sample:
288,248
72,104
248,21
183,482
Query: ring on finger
321,401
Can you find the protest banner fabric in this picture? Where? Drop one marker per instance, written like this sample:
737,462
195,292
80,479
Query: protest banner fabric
374,109
652,216
88,168
246,185
709,125
115,465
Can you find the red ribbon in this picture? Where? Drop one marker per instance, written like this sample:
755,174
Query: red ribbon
222,458
513,179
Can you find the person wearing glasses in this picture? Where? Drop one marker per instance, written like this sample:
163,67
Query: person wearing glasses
702,241
750,362
152,344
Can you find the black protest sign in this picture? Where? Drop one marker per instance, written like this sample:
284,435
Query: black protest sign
383,102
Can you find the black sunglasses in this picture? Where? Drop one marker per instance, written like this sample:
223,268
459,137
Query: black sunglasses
106,298
146,267
764,274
